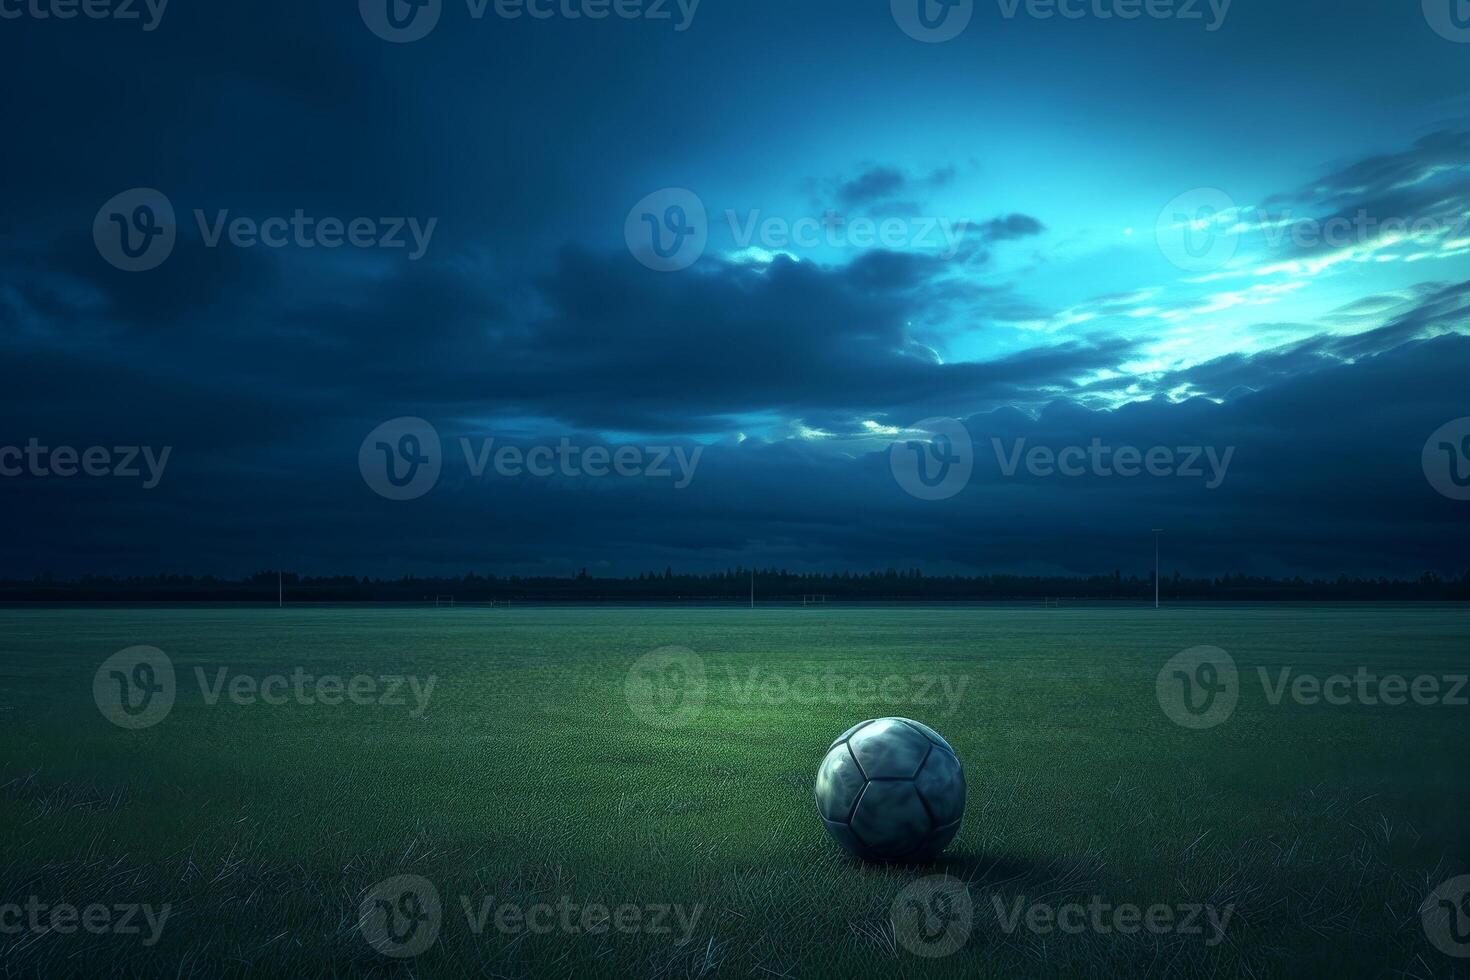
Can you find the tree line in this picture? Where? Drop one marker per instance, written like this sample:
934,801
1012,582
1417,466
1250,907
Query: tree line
732,585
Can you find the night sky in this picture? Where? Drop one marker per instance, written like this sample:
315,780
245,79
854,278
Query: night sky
761,241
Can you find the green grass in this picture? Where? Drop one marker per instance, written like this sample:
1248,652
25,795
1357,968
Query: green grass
530,779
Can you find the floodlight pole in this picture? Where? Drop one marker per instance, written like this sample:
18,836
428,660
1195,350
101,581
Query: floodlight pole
281,581
1157,531
752,588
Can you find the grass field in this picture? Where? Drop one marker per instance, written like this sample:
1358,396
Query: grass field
666,822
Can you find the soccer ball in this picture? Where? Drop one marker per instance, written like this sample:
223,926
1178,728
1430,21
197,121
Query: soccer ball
891,789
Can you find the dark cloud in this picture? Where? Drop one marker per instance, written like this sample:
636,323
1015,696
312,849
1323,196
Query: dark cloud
1307,457
882,190
620,348
1010,227
872,185
1419,195
1443,310
979,236
1440,152
266,451
264,369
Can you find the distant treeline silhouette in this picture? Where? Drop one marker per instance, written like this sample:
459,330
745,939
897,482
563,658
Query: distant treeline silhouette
733,585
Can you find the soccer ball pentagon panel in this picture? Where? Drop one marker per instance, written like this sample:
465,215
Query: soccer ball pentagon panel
891,789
